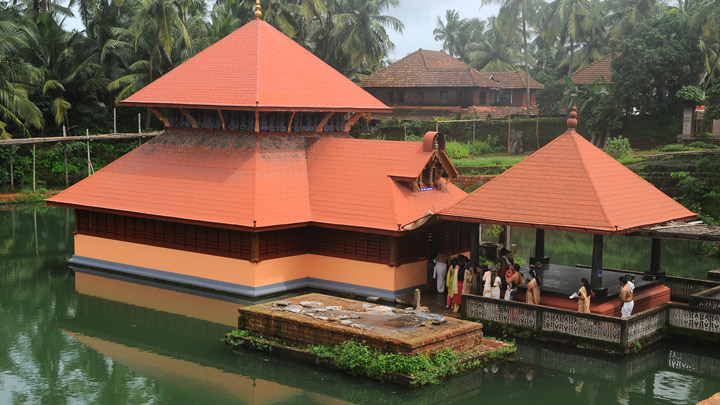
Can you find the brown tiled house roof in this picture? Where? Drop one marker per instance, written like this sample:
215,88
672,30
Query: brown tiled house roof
599,68
513,80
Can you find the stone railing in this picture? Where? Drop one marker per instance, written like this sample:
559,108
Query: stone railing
694,318
681,288
601,331
709,299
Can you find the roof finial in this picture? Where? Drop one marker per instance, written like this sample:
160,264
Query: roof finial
572,121
258,13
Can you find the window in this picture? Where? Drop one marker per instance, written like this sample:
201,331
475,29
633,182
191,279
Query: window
483,98
460,96
390,97
401,97
443,97
504,97
420,97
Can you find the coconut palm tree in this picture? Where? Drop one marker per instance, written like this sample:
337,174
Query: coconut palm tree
494,52
565,21
514,13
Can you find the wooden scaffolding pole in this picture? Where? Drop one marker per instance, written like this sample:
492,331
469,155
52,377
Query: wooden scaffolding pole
67,182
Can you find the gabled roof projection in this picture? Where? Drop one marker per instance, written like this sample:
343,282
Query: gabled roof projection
571,185
601,68
244,181
256,68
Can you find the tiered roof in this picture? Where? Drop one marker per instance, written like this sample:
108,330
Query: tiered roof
243,181
569,184
256,68
424,68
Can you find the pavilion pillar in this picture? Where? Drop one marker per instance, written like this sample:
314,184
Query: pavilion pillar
655,253
540,251
596,275
474,245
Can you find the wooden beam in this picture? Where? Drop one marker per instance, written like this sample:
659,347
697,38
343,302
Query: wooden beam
254,247
160,116
352,120
324,121
222,119
53,139
189,116
290,121
394,250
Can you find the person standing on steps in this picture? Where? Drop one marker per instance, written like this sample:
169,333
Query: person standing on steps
440,275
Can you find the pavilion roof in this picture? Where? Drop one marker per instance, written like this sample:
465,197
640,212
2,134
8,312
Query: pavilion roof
569,184
256,68
244,181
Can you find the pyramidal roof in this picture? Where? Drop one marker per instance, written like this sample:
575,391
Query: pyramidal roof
256,68
569,184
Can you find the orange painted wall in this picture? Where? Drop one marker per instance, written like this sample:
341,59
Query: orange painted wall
245,273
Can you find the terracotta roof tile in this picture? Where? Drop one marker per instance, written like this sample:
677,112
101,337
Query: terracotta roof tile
513,80
256,67
573,185
595,70
234,179
424,68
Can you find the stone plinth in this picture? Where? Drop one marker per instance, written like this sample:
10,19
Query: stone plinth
326,320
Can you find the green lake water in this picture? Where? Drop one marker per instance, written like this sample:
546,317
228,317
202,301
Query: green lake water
80,339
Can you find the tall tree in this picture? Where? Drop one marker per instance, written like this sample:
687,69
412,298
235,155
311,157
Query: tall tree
494,51
514,13
565,20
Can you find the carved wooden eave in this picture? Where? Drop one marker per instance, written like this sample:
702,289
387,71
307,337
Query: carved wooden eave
352,120
190,117
222,119
160,116
290,121
324,121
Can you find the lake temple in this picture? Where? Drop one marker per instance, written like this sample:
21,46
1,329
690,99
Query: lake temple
256,188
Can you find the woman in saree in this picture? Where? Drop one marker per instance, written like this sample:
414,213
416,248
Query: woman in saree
583,296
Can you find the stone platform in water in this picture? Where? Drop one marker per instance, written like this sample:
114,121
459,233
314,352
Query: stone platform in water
317,319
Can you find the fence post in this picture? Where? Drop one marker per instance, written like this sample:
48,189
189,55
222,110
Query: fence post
114,120
12,179
33,168
87,134
508,146
67,182
139,127
473,145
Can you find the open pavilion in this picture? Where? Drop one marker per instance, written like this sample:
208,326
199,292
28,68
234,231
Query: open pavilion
571,185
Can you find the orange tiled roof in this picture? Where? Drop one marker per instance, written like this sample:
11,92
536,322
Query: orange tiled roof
256,67
595,70
424,68
569,184
265,181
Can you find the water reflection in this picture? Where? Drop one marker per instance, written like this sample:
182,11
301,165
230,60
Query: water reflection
82,338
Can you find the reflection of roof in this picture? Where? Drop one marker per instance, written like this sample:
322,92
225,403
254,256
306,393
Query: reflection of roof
244,181
424,68
256,67
569,184
595,70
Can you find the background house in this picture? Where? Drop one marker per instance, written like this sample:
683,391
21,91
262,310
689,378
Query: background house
426,84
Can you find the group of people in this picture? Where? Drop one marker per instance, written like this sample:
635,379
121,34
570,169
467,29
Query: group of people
508,278
454,276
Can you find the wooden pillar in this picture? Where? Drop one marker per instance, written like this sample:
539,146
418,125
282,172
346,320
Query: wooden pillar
474,245
596,275
539,243
67,182
655,254
394,251
254,247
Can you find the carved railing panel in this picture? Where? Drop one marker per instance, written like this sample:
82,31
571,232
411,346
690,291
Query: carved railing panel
690,318
643,325
575,324
682,288
693,363
500,311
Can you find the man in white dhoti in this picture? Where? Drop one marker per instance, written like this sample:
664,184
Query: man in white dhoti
626,297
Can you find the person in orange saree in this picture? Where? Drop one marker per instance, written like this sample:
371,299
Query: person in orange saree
532,296
583,296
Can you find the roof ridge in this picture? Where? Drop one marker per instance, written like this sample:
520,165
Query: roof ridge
590,177
257,63
422,55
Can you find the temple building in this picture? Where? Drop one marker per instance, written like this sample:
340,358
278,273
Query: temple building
256,188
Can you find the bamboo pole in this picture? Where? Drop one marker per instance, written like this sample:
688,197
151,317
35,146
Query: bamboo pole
114,120
473,143
508,147
67,182
87,134
12,176
33,168
139,127
537,130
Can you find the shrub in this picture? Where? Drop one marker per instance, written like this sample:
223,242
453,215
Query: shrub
619,147
673,147
701,145
457,150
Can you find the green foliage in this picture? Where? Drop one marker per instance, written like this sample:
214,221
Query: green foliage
619,147
710,205
474,187
701,145
637,347
712,105
692,190
691,95
673,147
711,249
457,150
657,59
